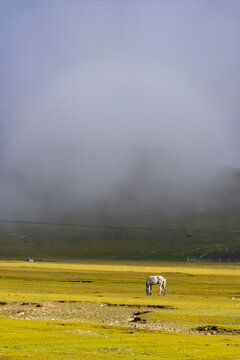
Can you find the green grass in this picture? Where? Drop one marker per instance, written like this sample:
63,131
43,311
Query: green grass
61,243
46,314
72,340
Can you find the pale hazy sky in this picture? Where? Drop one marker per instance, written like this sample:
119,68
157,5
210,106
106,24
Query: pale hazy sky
160,73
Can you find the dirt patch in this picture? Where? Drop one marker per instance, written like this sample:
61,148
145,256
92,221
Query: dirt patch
33,304
216,330
140,306
69,310
141,312
21,304
137,319
68,301
79,281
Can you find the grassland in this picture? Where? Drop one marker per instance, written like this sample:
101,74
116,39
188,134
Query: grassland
55,310
64,242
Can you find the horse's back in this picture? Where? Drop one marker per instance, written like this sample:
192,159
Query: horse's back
154,279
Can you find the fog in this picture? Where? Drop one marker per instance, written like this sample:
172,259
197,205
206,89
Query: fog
117,107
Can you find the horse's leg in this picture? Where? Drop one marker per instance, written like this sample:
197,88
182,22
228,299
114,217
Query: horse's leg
164,290
150,292
147,289
160,289
164,286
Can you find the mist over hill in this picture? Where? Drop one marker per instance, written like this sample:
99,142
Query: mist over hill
120,113
167,189
143,186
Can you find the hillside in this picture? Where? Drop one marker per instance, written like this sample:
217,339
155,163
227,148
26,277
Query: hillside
162,207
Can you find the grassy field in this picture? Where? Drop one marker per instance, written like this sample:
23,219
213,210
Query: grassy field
66,242
99,310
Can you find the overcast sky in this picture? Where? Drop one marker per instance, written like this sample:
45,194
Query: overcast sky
160,73
84,83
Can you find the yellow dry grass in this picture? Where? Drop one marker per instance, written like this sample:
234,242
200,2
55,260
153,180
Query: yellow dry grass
187,268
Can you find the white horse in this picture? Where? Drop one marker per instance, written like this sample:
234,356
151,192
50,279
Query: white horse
155,279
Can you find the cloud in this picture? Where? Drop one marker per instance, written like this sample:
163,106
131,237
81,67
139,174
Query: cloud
88,84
